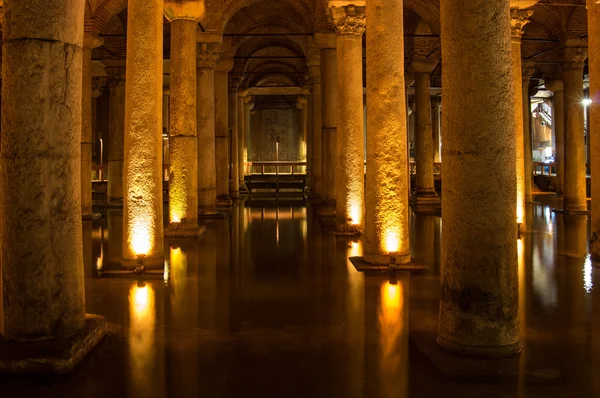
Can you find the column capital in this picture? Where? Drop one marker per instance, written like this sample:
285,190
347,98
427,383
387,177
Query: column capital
234,82
116,76
192,10
302,100
574,54
224,65
314,75
555,86
518,20
349,19
423,65
409,78
528,70
208,55
92,40
97,90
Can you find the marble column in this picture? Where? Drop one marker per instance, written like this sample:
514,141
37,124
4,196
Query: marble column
248,113
143,232
116,136
90,41
302,105
314,65
386,213
241,112
594,121
222,130
40,194
528,69
479,283
330,120
557,87
574,55
436,103
518,20
183,142
350,177
424,198
234,183
208,55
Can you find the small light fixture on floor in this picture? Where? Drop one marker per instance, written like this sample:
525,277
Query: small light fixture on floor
139,268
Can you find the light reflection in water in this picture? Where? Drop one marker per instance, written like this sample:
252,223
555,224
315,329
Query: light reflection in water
142,318
588,283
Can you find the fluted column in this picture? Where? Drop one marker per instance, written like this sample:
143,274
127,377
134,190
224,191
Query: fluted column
350,178
234,183
479,285
528,69
143,203
425,198
330,123
574,55
557,87
316,103
437,127
116,136
183,142
208,55
222,130
40,200
594,69
91,41
386,213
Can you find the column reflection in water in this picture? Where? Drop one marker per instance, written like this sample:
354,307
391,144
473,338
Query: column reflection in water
355,315
393,328
114,219
543,261
423,239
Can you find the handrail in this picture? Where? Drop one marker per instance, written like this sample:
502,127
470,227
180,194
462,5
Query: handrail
277,164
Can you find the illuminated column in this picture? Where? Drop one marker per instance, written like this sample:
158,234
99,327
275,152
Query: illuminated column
479,285
234,184
248,112
208,56
183,144
314,65
387,216
557,87
528,69
330,117
222,130
594,69
435,118
302,105
241,138
40,205
574,55
518,20
116,136
90,41
143,204
350,177
425,198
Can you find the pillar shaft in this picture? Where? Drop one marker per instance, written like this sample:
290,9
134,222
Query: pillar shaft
330,105
387,216
575,170
222,131
557,87
207,172
241,135
234,184
86,134
435,117
350,177
183,145
143,206
594,69
317,127
528,70
479,286
40,162
116,139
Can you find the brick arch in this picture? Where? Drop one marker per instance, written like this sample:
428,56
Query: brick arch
104,12
428,10
232,7
550,19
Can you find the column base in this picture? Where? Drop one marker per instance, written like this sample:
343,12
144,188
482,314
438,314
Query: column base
387,258
114,203
181,231
385,262
234,194
209,212
346,229
243,188
91,216
146,262
487,352
53,357
425,204
224,201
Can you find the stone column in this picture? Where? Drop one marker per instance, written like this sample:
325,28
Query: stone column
518,20
143,232
350,177
90,41
574,55
557,87
234,183
40,201
208,55
330,106
425,198
386,213
116,136
594,121
302,105
528,69
241,111
183,142
314,65
248,113
479,286
222,130
165,111
437,126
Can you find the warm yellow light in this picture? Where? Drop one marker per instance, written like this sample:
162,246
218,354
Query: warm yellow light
140,240
392,242
175,218
142,320
391,320
355,215
141,299
100,260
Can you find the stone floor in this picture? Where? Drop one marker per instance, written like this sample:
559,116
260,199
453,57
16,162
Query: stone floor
266,304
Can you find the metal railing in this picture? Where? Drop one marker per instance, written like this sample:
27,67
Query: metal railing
276,168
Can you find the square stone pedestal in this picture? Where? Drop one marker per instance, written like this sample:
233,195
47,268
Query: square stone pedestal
53,357
175,231
426,204
362,266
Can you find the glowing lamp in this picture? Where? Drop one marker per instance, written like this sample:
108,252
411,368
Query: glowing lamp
140,241
355,215
392,242
587,102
